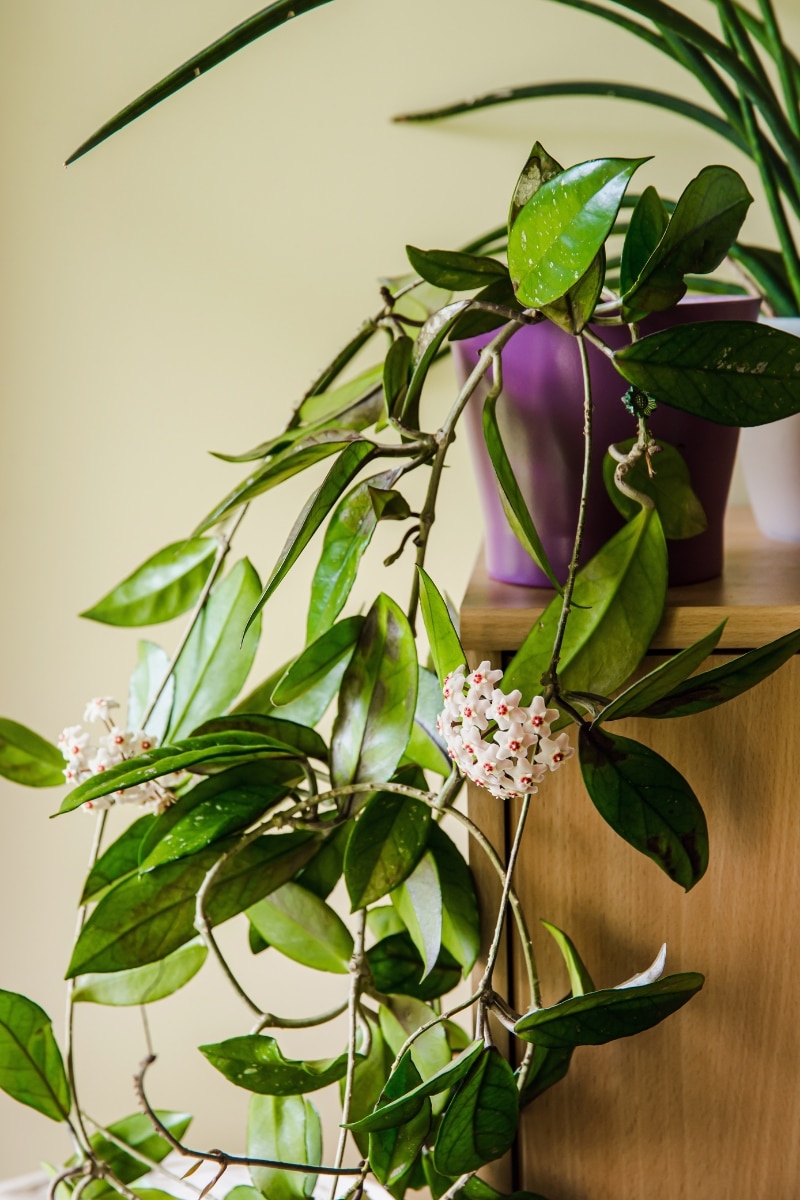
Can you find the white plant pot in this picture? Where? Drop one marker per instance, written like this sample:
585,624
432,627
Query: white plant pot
770,457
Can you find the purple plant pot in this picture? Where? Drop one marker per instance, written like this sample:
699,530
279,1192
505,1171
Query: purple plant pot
541,419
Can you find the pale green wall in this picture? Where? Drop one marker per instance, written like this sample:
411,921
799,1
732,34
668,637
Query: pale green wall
174,293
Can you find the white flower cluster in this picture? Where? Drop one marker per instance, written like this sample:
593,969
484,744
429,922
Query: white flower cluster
114,746
497,742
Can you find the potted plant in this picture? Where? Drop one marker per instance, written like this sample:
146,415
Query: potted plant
248,811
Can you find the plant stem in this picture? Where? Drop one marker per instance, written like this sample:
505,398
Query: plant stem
494,949
357,971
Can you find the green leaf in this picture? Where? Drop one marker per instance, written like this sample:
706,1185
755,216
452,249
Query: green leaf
646,692
377,698
144,918
347,537
480,1122
162,588
478,1189
563,226
354,456
324,870
446,649
647,802
618,601
255,1062
391,1112
768,270
403,1016
305,742
730,372
573,311
148,674
369,1081
121,858
600,1017
334,403
304,928
396,968
221,805
648,223
27,758
511,498
539,168
428,344
580,980
475,321
286,1128
143,985
202,754
31,1069
419,902
397,372
393,1149
136,1132
386,844
669,487
426,746
723,683
705,222
460,917
548,1067
455,271
217,658
321,665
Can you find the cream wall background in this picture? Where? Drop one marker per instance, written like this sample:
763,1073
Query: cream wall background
175,292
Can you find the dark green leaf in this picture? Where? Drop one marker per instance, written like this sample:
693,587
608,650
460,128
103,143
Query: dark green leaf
705,222
394,1149
348,535
403,1015
475,320
386,845
619,597
455,271
321,664
369,1081
143,985
377,698
731,372
27,758
120,859
31,1069
573,311
648,223
563,226
480,1122
539,168
460,916
647,802
768,269
478,1189
646,692
221,805
325,869
160,589
354,456
397,969
446,649
428,344
304,928
419,902
407,1103
511,498
286,1129
255,1062
148,675
723,683
669,487
426,746
144,918
396,373
580,980
548,1068
306,742
600,1017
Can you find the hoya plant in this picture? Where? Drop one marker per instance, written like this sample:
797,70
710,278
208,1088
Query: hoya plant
251,806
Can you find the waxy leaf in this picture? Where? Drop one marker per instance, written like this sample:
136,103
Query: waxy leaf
427,346
369,1081
135,1131
144,918
419,902
315,510
669,487
619,597
723,683
461,931
391,1112
446,649
143,985
539,168
580,980
160,589
321,664
426,746
377,698
396,968
648,222
511,498
387,842
730,372
647,802
306,742
457,272
393,1148
147,676
478,1189
397,372
548,1067
31,1069
705,222
563,226
255,1062
600,1017
403,1016
324,870
27,758
335,403
348,535
121,858
646,692
573,311
476,320
218,655
304,928
286,1129
480,1122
